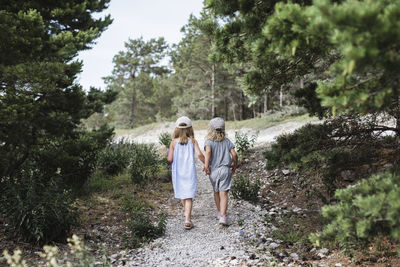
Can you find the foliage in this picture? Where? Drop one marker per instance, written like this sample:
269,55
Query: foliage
165,139
364,211
144,163
344,51
327,151
37,208
115,158
79,256
243,143
140,225
43,150
136,77
293,228
244,188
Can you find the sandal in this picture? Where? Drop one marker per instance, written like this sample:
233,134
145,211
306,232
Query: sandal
188,225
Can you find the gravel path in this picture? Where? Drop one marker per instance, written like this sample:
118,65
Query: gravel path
209,244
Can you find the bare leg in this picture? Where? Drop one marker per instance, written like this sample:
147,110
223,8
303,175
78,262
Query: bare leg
188,208
223,199
217,200
183,204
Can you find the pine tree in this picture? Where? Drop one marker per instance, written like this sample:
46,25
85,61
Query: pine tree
43,149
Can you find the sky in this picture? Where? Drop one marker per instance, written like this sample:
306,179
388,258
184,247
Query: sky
134,19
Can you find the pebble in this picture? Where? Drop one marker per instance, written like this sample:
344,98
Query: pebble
273,245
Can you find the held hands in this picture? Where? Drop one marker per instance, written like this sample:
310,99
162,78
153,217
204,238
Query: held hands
206,169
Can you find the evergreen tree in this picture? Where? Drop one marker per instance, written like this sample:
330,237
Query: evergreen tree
207,87
41,107
135,77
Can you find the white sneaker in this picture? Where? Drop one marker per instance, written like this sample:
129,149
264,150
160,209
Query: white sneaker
223,220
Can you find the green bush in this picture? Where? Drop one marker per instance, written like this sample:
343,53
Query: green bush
243,143
364,211
140,225
291,148
243,188
79,255
115,158
165,139
144,163
36,208
326,152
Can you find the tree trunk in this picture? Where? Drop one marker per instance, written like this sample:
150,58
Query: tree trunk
265,102
132,111
281,96
213,91
241,106
226,108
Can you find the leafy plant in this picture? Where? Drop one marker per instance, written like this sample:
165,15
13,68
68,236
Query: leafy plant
165,139
79,256
364,211
144,163
115,158
243,143
244,188
37,208
141,227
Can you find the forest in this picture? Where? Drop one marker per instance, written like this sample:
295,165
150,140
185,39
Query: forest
338,60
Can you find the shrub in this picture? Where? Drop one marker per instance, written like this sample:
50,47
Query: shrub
37,208
243,188
115,157
140,225
290,149
144,163
364,211
243,143
79,256
327,151
165,139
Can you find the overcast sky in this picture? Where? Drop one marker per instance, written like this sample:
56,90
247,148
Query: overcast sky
134,19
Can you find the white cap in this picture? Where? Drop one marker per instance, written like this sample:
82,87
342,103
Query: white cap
217,123
183,120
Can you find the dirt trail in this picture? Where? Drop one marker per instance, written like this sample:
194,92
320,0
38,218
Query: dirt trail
208,244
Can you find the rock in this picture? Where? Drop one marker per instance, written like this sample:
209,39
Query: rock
323,251
273,245
347,175
294,256
285,172
338,265
321,256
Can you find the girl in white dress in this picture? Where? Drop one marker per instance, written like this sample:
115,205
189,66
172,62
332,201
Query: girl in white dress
181,153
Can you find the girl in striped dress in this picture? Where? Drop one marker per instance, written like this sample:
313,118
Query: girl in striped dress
181,153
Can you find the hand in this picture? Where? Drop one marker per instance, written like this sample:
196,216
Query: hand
206,170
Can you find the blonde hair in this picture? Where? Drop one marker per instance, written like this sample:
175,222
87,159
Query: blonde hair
183,134
217,135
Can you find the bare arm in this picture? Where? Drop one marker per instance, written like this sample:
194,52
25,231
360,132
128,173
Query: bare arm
171,151
198,151
234,159
207,159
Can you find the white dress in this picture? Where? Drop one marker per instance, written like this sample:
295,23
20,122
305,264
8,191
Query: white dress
184,177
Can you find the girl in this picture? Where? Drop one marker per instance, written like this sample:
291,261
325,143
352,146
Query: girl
181,154
220,152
